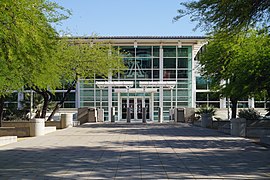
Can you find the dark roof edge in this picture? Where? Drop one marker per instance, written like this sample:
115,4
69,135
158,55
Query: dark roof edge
138,37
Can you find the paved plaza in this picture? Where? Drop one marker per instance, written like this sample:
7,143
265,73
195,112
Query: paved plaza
135,151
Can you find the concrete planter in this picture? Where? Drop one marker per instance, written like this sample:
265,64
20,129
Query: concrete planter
206,120
66,120
238,127
37,127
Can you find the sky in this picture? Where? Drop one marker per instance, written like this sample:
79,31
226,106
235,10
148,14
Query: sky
126,18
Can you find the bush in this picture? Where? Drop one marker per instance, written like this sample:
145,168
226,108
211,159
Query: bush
206,110
249,114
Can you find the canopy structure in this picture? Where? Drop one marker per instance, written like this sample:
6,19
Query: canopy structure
103,84
169,84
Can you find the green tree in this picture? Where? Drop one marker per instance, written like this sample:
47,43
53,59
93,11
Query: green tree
85,60
227,15
27,43
241,62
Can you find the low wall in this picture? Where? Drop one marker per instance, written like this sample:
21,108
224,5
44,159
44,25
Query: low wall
21,128
17,124
257,131
57,124
15,131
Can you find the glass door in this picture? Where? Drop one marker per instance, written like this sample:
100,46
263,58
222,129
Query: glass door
135,105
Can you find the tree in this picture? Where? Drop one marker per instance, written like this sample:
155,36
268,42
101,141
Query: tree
241,61
82,60
27,42
230,15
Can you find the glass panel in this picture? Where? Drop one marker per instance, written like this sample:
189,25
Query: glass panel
71,97
156,51
182,62
147,107
156,74
144,62
144,74
69,105
156,63
201,83
124,108
201,96
131,106
169,51
182,52
144,51
167,74
182,74
139,108
169,63
128,51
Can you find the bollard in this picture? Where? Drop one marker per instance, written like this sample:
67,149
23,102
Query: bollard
128,115
112,114
160,114
144,115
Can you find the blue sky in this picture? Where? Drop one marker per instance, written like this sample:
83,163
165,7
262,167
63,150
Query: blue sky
126,18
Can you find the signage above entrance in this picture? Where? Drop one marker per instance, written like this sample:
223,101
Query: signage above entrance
136,90
102,84
169,84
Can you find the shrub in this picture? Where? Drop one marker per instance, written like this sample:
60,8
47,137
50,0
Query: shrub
249,114
206,110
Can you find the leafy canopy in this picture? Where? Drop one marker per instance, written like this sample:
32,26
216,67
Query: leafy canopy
28,43
84,60
241,62
227,15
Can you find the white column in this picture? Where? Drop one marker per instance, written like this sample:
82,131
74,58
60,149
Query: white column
152,107
161,79
223,102
251,103
78,94
109,97
119,109
20,99
193,79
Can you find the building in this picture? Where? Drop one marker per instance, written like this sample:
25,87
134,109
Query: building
162,72
155,62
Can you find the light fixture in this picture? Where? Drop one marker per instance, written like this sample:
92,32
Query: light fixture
135,44
179,44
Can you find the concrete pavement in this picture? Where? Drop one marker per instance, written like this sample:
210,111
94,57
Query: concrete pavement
135,151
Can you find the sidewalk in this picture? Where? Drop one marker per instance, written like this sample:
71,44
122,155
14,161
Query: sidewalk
134,151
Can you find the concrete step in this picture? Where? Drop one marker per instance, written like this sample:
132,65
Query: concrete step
265,140
4,140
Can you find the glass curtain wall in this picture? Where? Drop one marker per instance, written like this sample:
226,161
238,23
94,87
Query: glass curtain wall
143,64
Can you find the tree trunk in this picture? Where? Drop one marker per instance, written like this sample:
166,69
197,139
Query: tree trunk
45,104
2,100
60,104
234,107
47,96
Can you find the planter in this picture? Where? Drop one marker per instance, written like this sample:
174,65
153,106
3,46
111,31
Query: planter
238,127
206,120
37,127
66,120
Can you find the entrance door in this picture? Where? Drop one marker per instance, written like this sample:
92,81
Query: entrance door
135,105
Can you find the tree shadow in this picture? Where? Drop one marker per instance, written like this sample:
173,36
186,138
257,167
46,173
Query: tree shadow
138,152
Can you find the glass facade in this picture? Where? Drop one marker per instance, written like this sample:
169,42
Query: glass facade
145,63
